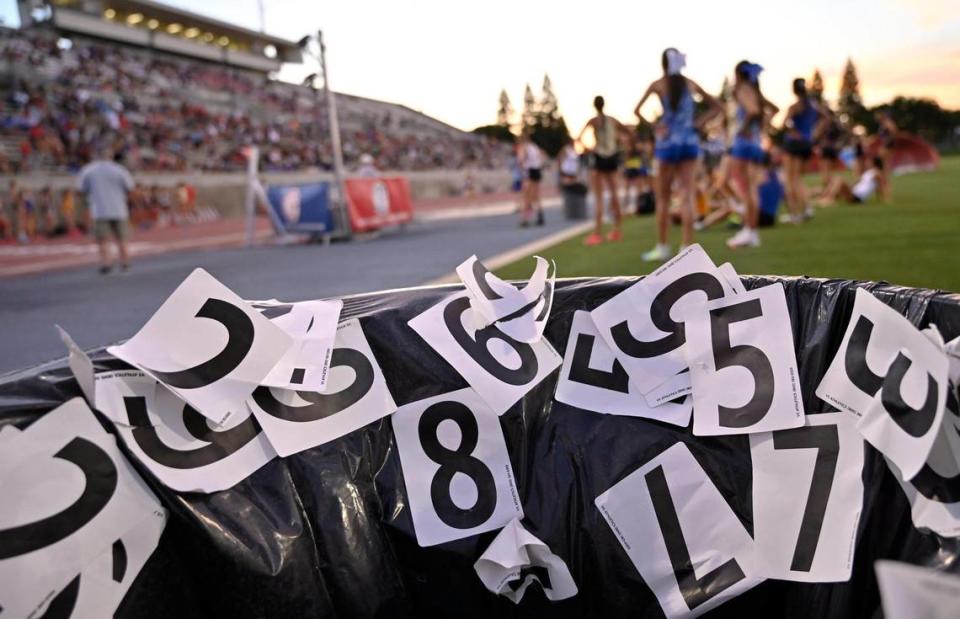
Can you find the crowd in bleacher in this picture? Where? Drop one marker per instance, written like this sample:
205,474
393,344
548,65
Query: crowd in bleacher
64,101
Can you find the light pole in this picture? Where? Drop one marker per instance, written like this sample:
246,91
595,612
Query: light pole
340,198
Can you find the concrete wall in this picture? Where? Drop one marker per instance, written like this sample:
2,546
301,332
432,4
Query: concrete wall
225,191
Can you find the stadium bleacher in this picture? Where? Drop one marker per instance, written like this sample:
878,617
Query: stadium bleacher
67,96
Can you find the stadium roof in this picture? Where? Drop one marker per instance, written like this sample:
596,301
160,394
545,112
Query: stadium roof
157,8
152,24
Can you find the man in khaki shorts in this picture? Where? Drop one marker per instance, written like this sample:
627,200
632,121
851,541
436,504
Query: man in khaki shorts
107,185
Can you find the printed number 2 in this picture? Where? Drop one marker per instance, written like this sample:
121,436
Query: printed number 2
743,355
826,441
453,461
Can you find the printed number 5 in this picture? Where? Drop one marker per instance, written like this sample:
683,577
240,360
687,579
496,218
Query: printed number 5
743,355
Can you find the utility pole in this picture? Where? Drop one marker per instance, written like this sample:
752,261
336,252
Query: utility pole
338,172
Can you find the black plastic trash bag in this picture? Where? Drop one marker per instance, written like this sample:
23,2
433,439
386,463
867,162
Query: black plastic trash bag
328,532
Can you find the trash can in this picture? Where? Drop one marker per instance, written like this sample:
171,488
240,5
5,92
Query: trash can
575,201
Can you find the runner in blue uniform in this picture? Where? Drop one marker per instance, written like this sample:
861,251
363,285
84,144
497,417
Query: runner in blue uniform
803,119
677,146
746,153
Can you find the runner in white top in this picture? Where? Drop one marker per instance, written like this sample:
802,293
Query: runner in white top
607,135
860,192
531,160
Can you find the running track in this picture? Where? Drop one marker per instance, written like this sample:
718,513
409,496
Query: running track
57,283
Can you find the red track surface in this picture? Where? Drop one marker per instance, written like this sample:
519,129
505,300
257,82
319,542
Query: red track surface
43,255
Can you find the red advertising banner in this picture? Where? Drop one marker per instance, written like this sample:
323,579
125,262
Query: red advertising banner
378,202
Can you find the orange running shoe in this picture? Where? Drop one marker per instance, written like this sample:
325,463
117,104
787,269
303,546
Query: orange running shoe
615,235
593,239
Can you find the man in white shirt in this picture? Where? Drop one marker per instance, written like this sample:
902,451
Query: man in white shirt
107,185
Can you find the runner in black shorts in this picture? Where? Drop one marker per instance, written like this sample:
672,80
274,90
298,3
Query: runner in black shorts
607,133
802,118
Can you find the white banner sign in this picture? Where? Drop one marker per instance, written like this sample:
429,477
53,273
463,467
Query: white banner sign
456,468
680,533
742,364
502,370
807,498
591,378
356,395
207,345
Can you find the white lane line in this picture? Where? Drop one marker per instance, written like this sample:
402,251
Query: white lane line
480,210
505,258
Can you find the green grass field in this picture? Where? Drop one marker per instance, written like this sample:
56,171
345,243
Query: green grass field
914,241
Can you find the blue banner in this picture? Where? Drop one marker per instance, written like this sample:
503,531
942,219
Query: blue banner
301,208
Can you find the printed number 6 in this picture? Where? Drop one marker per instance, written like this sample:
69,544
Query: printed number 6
476,347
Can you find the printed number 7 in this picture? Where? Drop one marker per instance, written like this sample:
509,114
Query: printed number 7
826,441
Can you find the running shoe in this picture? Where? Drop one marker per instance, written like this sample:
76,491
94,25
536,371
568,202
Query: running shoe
615,235
658,254
809,212
745,238
540,220
593,239
788,218
740,239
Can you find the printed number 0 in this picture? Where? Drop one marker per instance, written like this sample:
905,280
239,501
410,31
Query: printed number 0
476,347
456,461
743,355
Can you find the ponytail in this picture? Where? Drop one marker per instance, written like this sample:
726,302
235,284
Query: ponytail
672,62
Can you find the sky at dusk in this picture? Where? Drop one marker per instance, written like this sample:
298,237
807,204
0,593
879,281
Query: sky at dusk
450,59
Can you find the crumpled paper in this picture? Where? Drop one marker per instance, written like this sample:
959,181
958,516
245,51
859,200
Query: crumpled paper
516,558
520,313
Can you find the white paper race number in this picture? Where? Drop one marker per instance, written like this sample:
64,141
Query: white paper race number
356,395
501,369
807,498
742,364
934,492
894,378
207,345
455,467
680,533
68,498
174,441
591,378
644,324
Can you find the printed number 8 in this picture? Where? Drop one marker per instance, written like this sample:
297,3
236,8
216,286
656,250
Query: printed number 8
455,461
